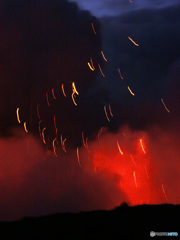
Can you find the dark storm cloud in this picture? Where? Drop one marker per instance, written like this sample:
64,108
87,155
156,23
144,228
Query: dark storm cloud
151,70
43,45
116,7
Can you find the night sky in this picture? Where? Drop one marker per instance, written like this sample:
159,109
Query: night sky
89,105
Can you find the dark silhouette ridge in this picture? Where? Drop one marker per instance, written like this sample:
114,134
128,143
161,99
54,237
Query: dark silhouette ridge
124,222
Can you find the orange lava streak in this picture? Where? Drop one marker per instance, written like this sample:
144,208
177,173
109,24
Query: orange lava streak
78,157
25,128
54,147
74,88
38,111
47,99
121,152
131,91
101,71
93,28
92,63
103,56
106,113
120,74
43,135
92,68
55,126
40,129
135,181
141,142
74,92
164,193
73,99
133,42
110,110
63,144
165,105
53,94
100,131
83,140
62,86
133,160
17,113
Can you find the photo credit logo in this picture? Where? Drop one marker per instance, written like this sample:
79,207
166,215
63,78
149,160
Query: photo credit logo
172,234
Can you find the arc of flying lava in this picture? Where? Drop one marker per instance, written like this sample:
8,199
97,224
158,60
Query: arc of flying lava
25,127
63,144
141,143
133,94
103,56
165,105
101,70
133,42
53,94
120,74
121,152
54,147
43,135
74,91
62,86
106,113
135,181
93,28
78,157
92,69
17,113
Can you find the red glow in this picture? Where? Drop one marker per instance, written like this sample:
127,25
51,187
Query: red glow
133,169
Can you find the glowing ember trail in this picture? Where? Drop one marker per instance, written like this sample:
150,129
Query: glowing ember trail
38,111
101,71
121,152
55,126
74,92
106,113
100,131
17,113
62,86
103,56
47,99
133,160
73,99
92,63
110,110
83,141
43,135
131,91
78,156
134,175
40,129
165,105
53,94
164,193
141,143
93,28
120,74
133,41
25,128
92,69
63,144
54,147
74,88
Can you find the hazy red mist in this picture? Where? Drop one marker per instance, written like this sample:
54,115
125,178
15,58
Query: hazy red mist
33,182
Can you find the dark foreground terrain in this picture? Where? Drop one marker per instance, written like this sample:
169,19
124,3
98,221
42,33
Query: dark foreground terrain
123,222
